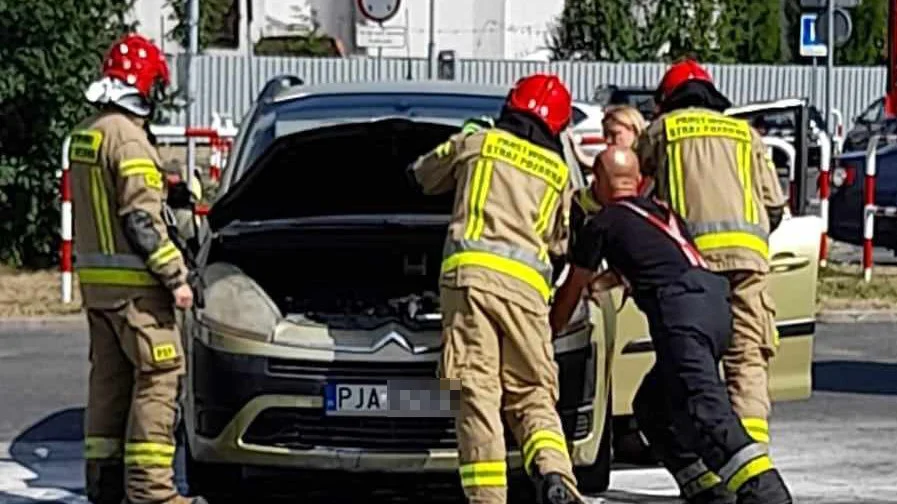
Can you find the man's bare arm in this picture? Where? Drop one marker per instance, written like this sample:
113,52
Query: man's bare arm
567,297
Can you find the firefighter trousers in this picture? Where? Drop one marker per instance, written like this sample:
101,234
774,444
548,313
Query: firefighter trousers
754,342
682,406
136,362
503,359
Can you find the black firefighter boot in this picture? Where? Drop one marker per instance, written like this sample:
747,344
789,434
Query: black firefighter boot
552,488
765,488
105,481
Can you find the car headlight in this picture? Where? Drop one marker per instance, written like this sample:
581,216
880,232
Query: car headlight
235,305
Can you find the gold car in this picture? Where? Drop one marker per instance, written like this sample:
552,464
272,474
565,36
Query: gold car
317,343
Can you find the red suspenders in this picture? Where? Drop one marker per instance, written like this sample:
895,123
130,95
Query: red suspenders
671,228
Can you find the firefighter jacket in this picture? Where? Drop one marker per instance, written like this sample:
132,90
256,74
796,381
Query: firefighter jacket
122,247
511,211
715,172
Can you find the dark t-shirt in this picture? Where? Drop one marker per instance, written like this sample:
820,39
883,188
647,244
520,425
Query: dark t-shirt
633,246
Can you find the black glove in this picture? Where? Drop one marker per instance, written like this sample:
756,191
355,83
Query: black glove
195,281
179,195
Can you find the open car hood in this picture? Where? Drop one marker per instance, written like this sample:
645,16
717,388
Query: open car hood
318,168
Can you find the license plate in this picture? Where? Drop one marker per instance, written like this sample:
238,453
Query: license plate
356,399
396,398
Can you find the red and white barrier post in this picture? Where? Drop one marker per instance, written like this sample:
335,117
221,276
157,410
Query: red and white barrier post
824,192
869,206
66,265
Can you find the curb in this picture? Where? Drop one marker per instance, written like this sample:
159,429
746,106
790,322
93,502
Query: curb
41,322
856,316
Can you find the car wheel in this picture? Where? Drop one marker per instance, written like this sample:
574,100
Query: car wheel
596,477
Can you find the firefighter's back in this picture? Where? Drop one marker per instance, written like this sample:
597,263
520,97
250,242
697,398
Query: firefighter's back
704,169
109,271
506,218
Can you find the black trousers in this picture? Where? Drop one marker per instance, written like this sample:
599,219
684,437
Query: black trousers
682,406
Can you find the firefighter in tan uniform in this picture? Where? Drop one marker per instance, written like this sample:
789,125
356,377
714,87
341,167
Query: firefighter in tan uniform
131,275
511,211
714,171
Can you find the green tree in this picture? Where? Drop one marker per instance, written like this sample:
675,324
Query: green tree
596,30
868,43
50,50
751,30
213,17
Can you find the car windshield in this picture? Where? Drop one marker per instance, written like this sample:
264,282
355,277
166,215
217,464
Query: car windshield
364,106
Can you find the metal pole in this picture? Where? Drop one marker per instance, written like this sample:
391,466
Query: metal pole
814,94
251,52
379,60
192,51
830,64
431,46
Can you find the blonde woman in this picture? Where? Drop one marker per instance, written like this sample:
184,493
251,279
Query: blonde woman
622,126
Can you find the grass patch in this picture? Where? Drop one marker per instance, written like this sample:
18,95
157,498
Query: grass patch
34,293
843,287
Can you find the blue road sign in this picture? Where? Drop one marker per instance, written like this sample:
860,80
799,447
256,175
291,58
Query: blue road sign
809,39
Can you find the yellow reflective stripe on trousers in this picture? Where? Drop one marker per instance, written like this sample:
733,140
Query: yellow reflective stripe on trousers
96,447
500,264
750,461
479,191
542,440
676,180
743,161
727,239
163,255
757,428
149,454
100,203
482,474
116,276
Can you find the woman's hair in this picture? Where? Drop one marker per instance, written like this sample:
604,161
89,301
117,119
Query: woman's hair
627,116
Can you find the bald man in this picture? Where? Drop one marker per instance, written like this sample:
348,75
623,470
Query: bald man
682,406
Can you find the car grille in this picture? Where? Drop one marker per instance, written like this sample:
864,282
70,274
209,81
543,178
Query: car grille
359,370
295,428
307,428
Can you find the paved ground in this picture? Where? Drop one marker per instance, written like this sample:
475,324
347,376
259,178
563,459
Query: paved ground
838,447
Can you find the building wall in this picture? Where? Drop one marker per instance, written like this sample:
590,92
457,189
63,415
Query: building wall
481,29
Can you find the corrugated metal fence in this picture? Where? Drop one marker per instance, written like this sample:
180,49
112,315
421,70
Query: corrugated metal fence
228,84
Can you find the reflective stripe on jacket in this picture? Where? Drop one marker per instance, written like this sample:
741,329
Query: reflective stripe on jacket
115,171
513,211
714,171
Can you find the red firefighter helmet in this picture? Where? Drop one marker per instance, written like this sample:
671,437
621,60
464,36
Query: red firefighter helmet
545,97
679,73
137,62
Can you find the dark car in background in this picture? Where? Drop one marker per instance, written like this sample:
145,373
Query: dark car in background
641,98
871,121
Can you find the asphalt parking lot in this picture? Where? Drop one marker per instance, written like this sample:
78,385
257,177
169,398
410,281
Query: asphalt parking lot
838,447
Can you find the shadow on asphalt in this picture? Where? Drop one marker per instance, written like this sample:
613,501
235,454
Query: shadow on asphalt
857,377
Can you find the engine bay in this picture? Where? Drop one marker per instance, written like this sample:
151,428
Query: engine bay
415,311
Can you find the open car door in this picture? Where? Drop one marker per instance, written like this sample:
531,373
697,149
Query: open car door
794,253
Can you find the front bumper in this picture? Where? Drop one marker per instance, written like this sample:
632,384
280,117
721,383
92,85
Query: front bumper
266,411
